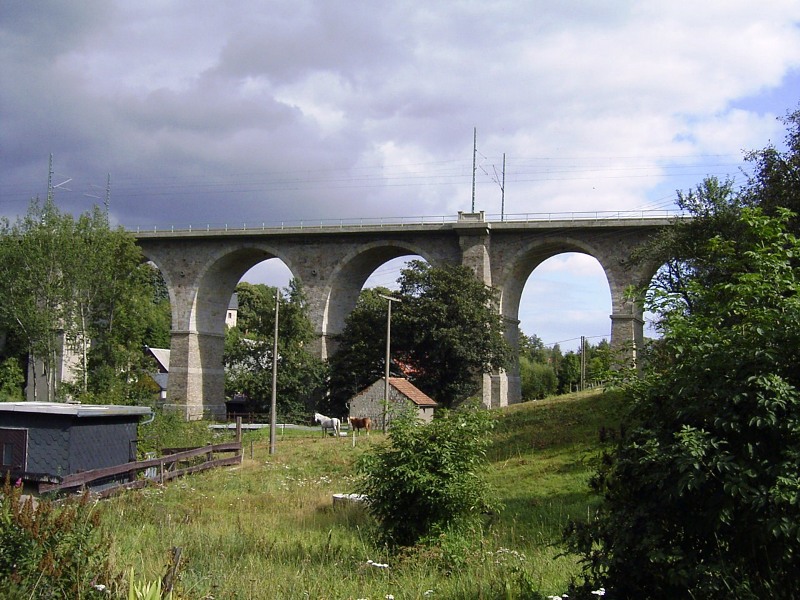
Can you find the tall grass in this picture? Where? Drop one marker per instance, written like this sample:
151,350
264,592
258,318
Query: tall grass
268,529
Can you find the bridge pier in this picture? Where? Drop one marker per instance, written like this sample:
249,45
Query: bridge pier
627,337
196,387
474,240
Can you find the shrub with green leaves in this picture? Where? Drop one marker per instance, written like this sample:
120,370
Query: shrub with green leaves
427,479
49,551
11,380
170,430
702,497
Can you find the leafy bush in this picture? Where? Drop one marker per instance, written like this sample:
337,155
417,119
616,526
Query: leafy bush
426,480
48,551
170,430
538,380
702,497
11,380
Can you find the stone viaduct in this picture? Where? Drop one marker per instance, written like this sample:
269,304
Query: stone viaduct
202,267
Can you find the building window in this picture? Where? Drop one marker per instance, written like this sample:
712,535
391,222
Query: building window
8,454
13,447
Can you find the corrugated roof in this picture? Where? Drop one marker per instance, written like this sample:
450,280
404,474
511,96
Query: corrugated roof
412,392
78,410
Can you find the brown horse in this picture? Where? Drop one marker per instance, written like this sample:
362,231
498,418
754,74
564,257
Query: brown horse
357,423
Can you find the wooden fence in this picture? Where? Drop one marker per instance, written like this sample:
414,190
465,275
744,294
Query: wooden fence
175,463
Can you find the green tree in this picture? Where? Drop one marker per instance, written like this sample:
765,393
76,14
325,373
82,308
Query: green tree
32,285
679,250
569,372
256,315
599,361
11,380
158,311
445,332
775,179
249,346
533,347
701,497
448,330
427,479
111,300
75,285
361,354
538,380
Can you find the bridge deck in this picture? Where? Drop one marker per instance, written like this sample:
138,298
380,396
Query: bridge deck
508,222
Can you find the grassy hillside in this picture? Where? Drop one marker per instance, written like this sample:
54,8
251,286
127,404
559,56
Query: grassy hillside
268,529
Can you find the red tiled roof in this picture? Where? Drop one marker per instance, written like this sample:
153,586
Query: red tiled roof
412,392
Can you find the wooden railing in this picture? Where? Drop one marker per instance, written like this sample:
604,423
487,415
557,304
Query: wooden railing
175,463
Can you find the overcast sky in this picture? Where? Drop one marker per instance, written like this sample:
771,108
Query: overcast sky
212,113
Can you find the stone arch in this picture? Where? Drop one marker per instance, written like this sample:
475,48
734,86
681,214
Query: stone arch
168,278
217,281
519,267
200,289
515,273
349,276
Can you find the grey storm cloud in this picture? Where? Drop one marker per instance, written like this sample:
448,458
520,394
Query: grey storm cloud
208,112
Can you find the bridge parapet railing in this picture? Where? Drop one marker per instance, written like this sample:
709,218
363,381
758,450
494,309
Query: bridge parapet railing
600,215
394,222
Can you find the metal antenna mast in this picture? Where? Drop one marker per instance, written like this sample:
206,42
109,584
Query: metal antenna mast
107,201
474,154
50,179
503,191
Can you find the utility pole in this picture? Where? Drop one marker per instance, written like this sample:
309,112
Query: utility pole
474,164
583,362
388,357
273,419
503,191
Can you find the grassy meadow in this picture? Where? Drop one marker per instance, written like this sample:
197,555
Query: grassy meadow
268,529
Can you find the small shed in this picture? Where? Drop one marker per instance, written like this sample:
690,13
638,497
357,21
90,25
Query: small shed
40,441
369,402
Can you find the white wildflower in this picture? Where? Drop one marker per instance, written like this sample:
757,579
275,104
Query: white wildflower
372,563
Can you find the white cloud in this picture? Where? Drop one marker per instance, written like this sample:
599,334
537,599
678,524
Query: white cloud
251,111
291,85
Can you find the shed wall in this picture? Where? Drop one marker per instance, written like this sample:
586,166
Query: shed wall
95,444
369,403
65,444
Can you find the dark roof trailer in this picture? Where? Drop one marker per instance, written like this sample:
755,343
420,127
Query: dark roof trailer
43,440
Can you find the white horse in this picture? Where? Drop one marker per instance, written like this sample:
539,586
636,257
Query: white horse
328,423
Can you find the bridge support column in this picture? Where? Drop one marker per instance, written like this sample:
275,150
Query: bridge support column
196,376
496,389
473,239
627,337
